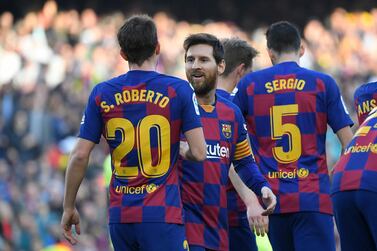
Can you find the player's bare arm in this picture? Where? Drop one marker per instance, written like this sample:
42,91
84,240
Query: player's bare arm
75,173
344,135
196,148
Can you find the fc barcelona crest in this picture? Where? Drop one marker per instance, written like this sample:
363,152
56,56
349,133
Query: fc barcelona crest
227,130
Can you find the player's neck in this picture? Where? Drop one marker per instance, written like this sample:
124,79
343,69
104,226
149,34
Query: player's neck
147,65
287,57
208,99
226,84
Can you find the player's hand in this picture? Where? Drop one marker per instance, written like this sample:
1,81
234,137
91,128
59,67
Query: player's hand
269,200
257,221
183,149
70,218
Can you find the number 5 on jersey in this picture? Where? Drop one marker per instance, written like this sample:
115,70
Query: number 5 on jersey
141,134
278,129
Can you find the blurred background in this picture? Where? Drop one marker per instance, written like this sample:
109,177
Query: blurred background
52,53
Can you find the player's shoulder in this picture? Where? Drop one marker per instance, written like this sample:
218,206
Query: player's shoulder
261,73
145,77
318,78
100,87
109,82
316,74
255,77
181,86
228,103
169,79
223,100
223,93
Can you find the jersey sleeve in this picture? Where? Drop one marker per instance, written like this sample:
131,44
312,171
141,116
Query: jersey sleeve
338,116
244,162
189,108
91,123
242,148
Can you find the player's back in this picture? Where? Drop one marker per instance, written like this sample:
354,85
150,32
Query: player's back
287,109
356,168
143,113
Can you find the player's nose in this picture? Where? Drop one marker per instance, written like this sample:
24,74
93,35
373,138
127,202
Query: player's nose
196,64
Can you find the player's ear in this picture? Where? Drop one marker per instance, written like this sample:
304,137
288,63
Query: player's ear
221,67
157,50
240,70
123,55
302,50
272,55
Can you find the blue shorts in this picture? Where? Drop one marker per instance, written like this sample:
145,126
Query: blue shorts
241,238
356,218
148,237
309,231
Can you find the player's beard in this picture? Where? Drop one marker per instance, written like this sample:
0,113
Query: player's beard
205,85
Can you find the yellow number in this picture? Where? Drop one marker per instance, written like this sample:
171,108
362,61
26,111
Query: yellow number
161,124
127,131
278,129
143,140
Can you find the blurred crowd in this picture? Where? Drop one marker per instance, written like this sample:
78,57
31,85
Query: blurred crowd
49,62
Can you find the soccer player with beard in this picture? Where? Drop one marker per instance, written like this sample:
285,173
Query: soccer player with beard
354,186
238,56
204,185
141,114
287,108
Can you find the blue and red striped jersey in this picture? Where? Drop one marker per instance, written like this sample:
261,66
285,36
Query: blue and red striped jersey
141,115
204,184
365,99
357,167
287,109
237,215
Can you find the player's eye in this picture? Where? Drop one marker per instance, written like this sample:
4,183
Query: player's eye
189,59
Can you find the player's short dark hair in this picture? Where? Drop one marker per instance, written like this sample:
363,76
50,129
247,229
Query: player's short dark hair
138,38
236,52
205,38
283,36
